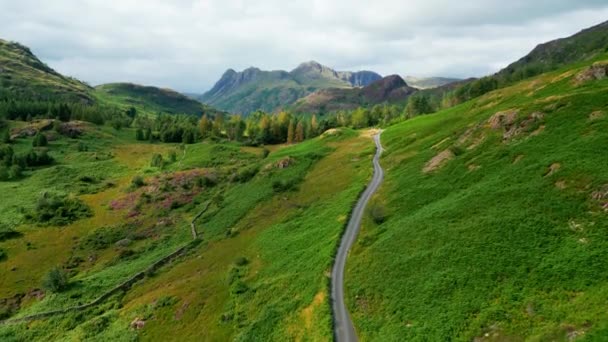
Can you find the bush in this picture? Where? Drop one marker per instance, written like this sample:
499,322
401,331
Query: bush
15,172
138,182
56,280
4,175
103,238
283,185
2,255
265,153
246,174
157,161
40,140
56,209
6,232
241,261
377,212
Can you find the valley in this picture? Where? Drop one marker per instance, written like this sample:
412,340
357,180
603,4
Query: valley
307,205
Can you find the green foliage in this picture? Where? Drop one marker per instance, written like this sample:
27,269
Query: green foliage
138,181
40,140
3,257
157,161
56,280
58,209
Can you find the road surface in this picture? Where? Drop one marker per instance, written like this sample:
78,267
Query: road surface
344,331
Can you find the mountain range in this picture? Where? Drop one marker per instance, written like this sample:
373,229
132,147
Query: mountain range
254,89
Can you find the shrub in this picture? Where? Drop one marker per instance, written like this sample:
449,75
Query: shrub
6,232
56,209
2,254
103,238
56,280
265,153
157,161
4,175
40,140
15,172
138,182
241,261
283,185
457,150
246,174
172,156
377,212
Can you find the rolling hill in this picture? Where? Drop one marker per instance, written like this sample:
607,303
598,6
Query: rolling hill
24,77
253,89
390,89
151,100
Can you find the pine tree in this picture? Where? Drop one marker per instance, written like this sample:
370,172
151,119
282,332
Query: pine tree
314,126
299,136
291,132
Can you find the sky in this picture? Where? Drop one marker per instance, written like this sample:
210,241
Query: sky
188,44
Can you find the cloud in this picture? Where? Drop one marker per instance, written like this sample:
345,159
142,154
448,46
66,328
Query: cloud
187,45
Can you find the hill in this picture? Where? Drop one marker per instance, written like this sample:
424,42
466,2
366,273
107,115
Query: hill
495,219
253,89
147,99
549,56
429,82
24,77
390,89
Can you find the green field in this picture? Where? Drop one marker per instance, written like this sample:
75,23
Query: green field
496,227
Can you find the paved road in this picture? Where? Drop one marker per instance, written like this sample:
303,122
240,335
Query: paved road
344,331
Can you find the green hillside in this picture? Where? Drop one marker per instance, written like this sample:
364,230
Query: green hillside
148,99
496,225
24,77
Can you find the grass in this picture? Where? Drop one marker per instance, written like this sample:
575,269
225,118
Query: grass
246,214
493,242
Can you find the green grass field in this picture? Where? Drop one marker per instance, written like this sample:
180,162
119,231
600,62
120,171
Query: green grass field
496,227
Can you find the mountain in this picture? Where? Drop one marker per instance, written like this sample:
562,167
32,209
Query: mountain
23,76
429,82
390,89
549,56
253,89
554,54
149,99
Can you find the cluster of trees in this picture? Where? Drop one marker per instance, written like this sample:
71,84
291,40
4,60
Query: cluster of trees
29,110
12,164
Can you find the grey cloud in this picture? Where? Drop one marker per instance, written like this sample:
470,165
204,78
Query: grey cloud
187,45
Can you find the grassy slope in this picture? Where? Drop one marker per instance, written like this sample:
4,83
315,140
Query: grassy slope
286,273
491,243
24,76
149,100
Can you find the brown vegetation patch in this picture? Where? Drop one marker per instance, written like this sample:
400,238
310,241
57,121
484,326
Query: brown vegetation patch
32,128
601,197
473,167
438,161
285,163
598,114
307,313
561,184
518,159
553,169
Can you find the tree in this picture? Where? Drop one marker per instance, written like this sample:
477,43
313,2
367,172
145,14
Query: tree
299,136
56,280
15,172
4,175
6,137
360,118
148,135
218,124
314,126
157,161
235,128
188,137
205,126
40,140
291,132
139,134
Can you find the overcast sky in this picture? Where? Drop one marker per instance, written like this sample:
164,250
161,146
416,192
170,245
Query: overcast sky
188,44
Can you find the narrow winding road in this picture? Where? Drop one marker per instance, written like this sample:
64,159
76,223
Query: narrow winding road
344,331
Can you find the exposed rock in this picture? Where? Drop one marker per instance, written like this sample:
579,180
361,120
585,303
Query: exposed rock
502,119
32,128
597,71
285,163
138,324
438,161
123,243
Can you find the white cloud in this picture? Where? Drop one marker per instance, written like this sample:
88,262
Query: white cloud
187,45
